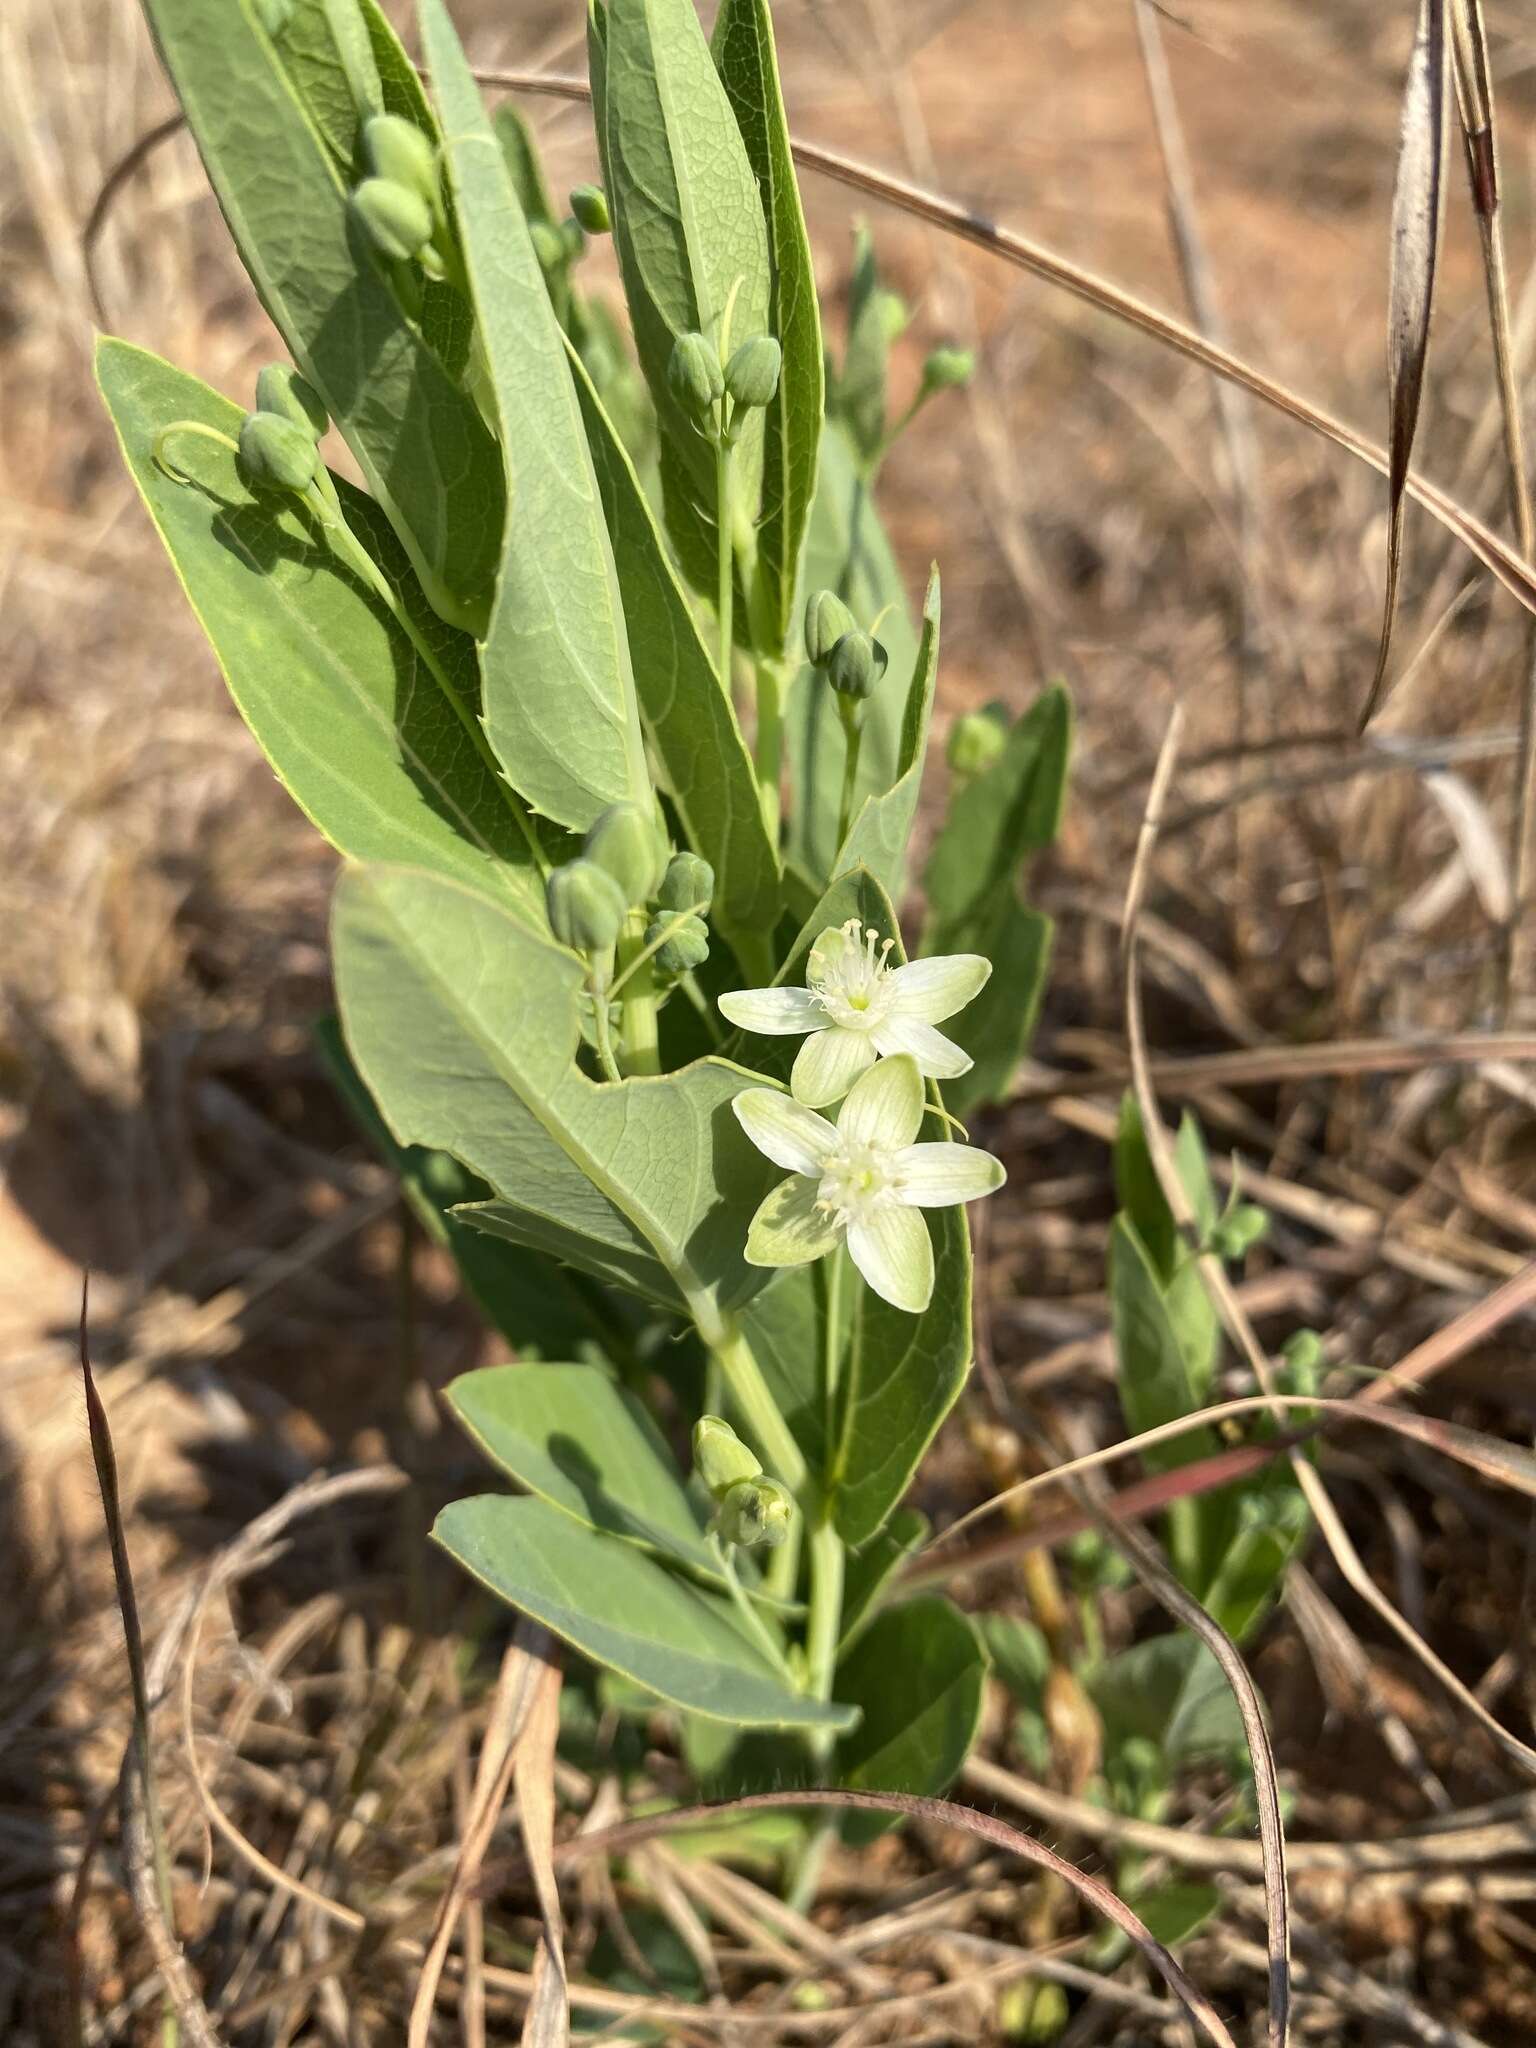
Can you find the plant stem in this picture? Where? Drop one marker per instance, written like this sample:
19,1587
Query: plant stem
689,985
642,1052
756,1626
832,1347
851,715
599,986
647,952
725,597
770,742
825,1624
744,1376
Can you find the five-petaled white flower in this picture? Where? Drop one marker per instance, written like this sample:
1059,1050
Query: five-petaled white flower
864,1177
856,1007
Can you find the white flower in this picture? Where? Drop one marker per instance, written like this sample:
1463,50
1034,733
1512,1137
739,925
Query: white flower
855,1007
863,1176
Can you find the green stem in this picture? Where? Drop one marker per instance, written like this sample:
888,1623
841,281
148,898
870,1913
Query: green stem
652,947
689,985
825,1624
744,1376
642,1050
783,1573
725,596
832,1349
851,714
756,1626
599,986
770,743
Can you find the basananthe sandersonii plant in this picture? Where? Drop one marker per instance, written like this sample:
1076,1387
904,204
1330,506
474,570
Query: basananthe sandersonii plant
605,686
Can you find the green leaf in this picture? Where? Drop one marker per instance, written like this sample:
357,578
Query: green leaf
846,551
748,65
465,1027
1172,1912
559,695
1141,1195
574,1437
1169,1691
1272,1520
878,836
687,226
693,728
1019,1653
858,397
539,1308
625,1611
424,450
1007,813
871,1571
916,1673
357,725
1156,1382
523,166
998,1027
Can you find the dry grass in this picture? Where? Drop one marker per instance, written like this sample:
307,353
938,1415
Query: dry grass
164,1120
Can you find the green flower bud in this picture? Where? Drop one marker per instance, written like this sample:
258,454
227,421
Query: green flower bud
625,842
274,15
893,314
399,152
686,945
752,374
281,390
586,906
946,369
694,375
1303,1354
720,1457
1236,1234
573,242
548,246
589,203
688,882
856,664
975,741
827,619
395,218
277,454
755,1511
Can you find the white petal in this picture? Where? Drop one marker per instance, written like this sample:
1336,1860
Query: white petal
789,1229
829,951
934,1176
827,1065
893,1251
886,1107
791,1135
779,1012
931,990
935,1054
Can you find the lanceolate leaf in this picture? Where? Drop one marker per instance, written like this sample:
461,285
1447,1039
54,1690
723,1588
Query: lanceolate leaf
846,551
357,725
626,1612
709,773
1418,204
688,227
744,54
878,837
571,1435
465,1028
916,1673
424,449
559,695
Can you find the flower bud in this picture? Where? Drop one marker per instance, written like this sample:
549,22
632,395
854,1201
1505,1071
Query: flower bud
548,246
573,243
720,1457
625,842
395,218
277,454
752,374
857,663
1237,1233
755,1511
893,313
694,375
281,390
947,369
688,882
586,906
827,619
274,15
686,945
589,203
1303,1354
399,152
975,741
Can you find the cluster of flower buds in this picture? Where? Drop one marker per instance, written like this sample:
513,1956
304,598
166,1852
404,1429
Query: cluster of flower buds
745,382
852,660
399,205
623,866
750,1509
280,440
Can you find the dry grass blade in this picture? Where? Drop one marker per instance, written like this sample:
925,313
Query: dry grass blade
945,1813
144,1848
548,2021
1517,576
1418,206
523,1671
